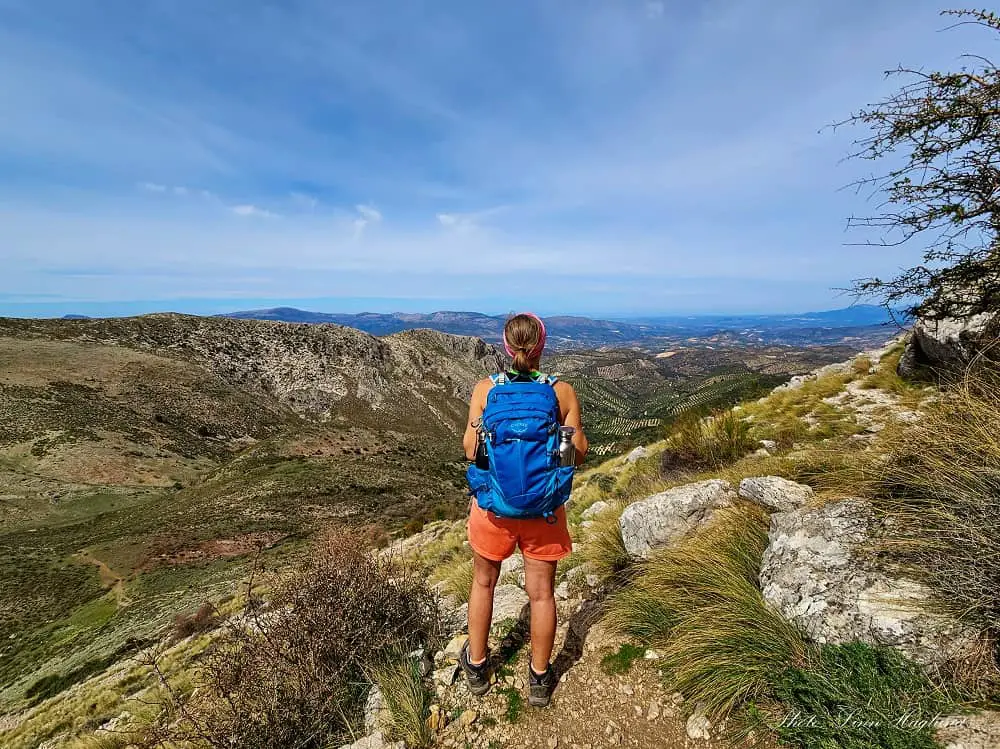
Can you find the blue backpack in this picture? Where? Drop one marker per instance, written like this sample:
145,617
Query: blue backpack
521,432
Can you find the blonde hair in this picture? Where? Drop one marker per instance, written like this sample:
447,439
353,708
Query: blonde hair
523,334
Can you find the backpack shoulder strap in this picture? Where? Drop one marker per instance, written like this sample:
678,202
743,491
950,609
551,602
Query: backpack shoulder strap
500,378
546,379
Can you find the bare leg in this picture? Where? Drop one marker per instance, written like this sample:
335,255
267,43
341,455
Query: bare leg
539,582
484,579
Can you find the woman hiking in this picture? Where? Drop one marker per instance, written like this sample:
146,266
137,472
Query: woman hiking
523,430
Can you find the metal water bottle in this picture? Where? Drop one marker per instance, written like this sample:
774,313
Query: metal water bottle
482,457
567,451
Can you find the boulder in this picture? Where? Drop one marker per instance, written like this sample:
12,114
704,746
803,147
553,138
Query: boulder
508,601
596,509
775,493
947,344
667,517
817,574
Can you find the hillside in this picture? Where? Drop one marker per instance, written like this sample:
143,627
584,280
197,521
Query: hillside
635,674
142,459
752,564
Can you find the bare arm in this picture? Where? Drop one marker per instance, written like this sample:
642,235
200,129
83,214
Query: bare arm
476,405
569,407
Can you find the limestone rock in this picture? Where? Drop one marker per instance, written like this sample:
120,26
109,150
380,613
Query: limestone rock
698,725
508,600
581,579
637,454
374,741
667,517
437,719
775,493
375,710
595,509
467,718
948,344
512,564
562,590
446,675
454,647
816,573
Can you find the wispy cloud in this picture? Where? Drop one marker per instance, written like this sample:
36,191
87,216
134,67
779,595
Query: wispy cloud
468,221
253,211
367,215
626,140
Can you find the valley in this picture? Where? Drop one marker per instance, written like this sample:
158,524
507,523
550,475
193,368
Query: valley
146,463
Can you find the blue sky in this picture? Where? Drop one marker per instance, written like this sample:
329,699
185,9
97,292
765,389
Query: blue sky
604,157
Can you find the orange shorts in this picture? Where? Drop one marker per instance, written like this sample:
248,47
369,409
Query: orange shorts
496,538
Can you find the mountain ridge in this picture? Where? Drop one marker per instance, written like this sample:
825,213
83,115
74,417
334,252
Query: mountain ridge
572,331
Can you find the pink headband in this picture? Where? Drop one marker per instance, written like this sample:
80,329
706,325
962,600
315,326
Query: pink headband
536,352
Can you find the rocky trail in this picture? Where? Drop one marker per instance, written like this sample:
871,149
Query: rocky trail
592,708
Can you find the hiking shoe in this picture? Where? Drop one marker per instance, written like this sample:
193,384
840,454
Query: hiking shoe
477,677
540,687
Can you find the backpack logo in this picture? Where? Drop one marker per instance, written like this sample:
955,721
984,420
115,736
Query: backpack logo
519,427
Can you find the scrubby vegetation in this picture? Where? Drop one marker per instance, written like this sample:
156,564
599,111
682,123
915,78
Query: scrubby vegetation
297,671
939,485
698,603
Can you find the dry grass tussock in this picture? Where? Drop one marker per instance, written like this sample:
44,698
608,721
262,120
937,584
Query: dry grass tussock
699,605
296,672
604,548
406,702
939,486
712,442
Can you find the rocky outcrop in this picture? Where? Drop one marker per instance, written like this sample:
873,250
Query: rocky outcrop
947,345
775,493
418,376
817,573
667,517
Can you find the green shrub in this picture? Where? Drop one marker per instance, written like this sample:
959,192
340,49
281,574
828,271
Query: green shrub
855,697
457,578
699,605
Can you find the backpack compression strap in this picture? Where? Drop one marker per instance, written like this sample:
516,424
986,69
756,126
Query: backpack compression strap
502,378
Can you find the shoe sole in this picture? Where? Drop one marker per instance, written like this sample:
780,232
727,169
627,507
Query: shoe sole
478,691
539,701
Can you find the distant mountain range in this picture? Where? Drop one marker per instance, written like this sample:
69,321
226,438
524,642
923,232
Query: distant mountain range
570,332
